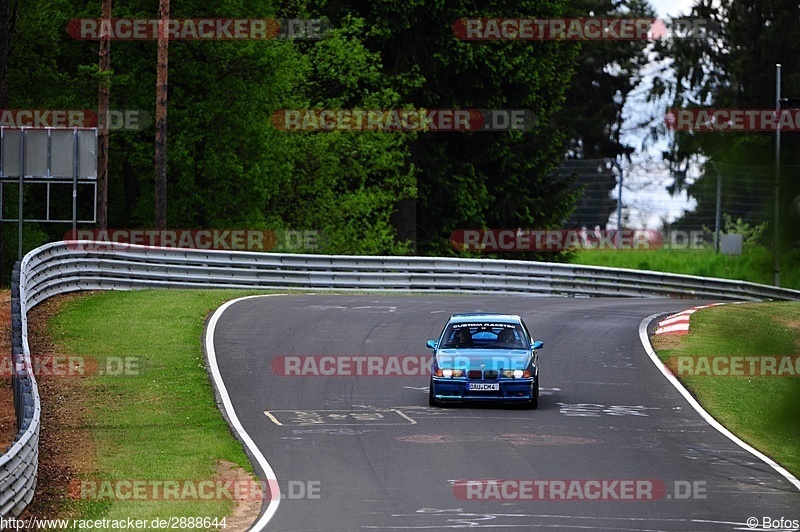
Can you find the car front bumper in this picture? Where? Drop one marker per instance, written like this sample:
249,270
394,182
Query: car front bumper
457,390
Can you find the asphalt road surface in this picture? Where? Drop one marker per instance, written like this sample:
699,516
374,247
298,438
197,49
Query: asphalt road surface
612,446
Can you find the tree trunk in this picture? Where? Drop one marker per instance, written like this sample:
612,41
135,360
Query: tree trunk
404,219
6,27
161,117
102,134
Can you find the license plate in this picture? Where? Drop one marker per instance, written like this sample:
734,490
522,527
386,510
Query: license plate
482,387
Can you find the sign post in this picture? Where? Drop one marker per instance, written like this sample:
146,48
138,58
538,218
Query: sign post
51,157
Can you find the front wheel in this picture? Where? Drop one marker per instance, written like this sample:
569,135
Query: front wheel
431,397
534,402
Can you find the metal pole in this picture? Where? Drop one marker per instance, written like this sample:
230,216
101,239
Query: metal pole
619,199
21,173
619,204
776,254
718,212
76,153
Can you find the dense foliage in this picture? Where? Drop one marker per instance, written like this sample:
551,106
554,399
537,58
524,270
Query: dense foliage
736,70
367,192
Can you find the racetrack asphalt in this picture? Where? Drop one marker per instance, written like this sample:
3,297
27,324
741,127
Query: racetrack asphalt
363,452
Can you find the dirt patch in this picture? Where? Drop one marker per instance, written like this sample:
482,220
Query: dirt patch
66,449
666,341
8,419
246,511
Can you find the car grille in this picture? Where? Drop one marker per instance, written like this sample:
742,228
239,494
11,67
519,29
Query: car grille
489,374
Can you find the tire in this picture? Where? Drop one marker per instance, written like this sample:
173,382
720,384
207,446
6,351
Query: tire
431,398
534,402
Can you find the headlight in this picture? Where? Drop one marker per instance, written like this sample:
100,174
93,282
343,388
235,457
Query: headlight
450,373
516,373
447,373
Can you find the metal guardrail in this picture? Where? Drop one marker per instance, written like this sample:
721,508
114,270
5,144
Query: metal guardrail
20,463
61,267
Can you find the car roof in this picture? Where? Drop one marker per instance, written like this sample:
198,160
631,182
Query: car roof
484,316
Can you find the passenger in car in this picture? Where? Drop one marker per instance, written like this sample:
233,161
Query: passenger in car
506,338
464,338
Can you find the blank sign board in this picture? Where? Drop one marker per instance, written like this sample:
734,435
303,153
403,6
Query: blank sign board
48,153
731,244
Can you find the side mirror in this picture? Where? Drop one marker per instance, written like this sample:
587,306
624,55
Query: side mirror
431,344
538,344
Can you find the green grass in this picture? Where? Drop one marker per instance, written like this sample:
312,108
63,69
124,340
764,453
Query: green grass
755,265
162,424
763,411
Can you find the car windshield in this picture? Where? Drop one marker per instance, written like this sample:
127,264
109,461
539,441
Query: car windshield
484,335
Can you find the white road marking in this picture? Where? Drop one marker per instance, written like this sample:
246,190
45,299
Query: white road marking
597,410
336,417
273,418
459,518
333,431
233,419
380,308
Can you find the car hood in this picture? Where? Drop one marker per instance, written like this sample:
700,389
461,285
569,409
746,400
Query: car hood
483,358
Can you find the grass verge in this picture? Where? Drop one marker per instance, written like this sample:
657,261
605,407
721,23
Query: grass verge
761,410
755,265
151,415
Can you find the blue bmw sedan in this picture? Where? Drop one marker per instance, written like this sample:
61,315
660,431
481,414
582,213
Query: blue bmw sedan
485,357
